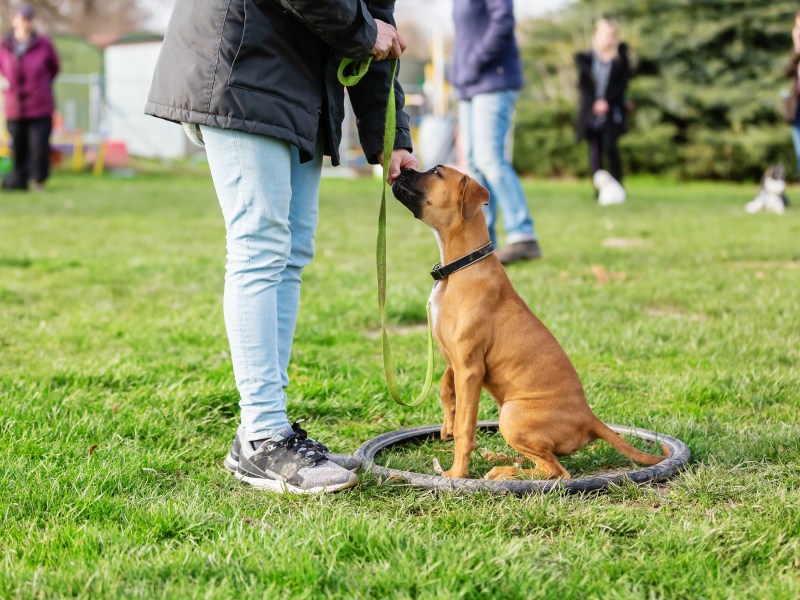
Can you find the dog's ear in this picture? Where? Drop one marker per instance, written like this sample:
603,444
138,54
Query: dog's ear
473,197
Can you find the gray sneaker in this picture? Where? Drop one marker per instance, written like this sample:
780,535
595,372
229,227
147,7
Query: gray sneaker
346,461
287,463
519,251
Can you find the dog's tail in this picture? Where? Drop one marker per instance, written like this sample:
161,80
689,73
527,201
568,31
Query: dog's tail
605,433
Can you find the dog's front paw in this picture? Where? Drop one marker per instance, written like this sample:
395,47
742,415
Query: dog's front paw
446,434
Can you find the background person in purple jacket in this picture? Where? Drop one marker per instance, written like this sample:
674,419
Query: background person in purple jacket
28,63
487,75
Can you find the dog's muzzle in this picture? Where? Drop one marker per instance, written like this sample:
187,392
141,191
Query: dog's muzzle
406,190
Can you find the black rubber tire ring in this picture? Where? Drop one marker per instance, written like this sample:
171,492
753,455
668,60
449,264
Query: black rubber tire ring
677,460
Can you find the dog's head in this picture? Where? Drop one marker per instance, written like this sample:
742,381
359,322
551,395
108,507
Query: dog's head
774,181
442,198
775,172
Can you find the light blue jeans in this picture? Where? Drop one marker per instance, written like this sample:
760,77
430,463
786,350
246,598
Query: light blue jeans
270,204
485,121
796,140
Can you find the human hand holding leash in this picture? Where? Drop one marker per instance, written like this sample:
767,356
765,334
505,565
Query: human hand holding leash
389,43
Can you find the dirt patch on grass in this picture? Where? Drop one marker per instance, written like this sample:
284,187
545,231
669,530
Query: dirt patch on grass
624,243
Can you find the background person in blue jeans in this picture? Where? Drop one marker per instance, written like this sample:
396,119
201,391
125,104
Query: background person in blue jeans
487,75
793,72
255,82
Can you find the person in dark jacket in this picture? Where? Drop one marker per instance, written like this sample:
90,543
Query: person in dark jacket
603,75
487,75
28,64
255,82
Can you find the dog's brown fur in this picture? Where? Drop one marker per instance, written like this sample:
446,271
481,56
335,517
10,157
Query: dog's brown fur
490,338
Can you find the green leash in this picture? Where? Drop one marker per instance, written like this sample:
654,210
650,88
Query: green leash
359,70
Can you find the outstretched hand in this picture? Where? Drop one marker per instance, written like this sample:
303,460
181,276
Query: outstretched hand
401,159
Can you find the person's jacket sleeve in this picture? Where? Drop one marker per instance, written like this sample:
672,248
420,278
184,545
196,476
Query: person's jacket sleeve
585,83
54,63
369,98
345,25
348,26
618,83
495,40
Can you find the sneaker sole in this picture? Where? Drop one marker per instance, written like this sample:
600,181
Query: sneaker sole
232,464
281,487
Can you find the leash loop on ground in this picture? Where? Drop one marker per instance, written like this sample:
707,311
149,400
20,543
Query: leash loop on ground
360,68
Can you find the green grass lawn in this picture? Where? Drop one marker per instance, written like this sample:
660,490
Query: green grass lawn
117,402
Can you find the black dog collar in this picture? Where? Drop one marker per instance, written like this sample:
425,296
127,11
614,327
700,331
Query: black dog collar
440,272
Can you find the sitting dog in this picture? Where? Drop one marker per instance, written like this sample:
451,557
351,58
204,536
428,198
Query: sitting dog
609,190
772,196
490,338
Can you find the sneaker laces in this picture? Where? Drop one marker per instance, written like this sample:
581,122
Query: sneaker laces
301,447
302,436
299,444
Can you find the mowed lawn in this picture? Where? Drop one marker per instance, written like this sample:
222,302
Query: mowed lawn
117,402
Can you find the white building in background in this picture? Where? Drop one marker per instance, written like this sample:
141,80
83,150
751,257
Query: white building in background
129,66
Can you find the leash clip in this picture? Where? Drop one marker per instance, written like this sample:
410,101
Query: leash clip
436,272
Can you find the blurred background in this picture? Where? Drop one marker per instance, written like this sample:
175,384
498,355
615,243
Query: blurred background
705,95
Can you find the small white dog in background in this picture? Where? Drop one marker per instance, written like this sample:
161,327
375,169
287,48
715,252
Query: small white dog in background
772,196
610,191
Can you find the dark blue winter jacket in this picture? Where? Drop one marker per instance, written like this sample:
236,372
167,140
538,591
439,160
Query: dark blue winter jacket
485,53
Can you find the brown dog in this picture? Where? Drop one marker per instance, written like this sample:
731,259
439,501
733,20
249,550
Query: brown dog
490,338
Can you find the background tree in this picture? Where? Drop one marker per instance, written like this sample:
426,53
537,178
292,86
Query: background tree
83,17
708,77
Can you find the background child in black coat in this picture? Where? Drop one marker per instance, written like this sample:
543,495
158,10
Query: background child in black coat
603,75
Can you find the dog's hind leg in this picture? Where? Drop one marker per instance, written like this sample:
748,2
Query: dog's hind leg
448,395
528,436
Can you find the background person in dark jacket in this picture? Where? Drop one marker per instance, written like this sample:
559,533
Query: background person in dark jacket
603,75
28,63
487,75
259,79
